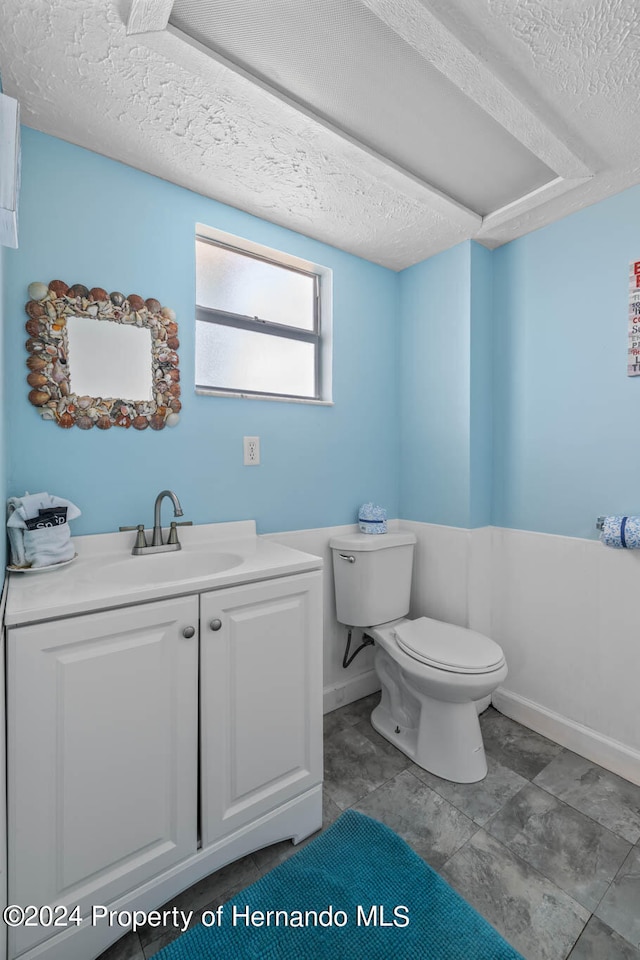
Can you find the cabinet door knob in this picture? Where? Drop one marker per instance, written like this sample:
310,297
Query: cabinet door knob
188,632
215,624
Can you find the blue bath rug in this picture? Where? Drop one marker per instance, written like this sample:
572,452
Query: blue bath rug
356,892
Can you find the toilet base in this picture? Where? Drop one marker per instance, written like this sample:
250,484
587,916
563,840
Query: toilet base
431,714
447,741
404,738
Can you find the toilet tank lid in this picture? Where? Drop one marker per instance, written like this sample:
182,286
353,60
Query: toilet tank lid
355,542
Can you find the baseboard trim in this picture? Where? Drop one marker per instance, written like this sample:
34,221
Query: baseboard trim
608,753
349,690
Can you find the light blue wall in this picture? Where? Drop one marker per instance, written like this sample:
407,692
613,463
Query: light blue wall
567,417
87,219
417,424
481,387
434,388
515,405
445,388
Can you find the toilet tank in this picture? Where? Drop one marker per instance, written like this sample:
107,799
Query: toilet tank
372,576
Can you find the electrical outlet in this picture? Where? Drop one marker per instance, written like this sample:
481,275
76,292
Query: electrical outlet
251,451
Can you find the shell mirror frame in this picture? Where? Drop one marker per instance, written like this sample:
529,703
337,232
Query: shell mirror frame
72,324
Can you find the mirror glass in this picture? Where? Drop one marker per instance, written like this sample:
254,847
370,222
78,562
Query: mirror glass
109,359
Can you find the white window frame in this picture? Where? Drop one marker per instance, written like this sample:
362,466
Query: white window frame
324,316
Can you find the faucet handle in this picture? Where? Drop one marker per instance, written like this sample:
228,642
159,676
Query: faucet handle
173,533
141,540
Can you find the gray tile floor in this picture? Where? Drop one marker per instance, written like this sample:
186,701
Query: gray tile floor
547,847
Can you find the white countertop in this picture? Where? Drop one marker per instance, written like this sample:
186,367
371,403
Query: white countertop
106,575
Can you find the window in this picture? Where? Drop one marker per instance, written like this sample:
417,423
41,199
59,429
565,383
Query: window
260,330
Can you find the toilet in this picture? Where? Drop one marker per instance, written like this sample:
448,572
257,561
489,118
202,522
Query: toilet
432,673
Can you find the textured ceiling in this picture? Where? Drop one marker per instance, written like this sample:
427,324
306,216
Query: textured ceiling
352,69
561,77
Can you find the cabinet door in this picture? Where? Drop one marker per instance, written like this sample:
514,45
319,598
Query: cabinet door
261,699
102,727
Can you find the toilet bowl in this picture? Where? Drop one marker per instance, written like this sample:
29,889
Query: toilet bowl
432,674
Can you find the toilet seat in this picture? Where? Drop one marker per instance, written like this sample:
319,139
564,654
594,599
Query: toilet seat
446,646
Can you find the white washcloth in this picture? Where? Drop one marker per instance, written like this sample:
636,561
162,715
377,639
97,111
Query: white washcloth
18,508
16,545
21,509
48,545
25,508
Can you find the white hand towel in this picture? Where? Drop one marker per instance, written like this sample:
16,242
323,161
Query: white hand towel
29,547
16,544
27,507
23,508
48,545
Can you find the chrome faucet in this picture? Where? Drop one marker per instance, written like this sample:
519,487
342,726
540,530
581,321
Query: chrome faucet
157,546
177,512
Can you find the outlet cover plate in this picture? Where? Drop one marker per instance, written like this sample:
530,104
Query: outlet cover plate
251,451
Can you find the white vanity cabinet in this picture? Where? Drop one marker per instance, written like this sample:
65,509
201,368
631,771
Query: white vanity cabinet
151,744
102,752
261,705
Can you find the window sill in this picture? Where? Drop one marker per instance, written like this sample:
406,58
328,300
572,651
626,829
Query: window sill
205,392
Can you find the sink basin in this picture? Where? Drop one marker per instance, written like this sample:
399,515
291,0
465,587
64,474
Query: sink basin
168,567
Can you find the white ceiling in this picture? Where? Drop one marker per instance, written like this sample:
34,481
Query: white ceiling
390,128
352,70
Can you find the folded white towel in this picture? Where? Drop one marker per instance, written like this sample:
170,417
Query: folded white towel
28,547
48,545
16,524
25,508
16,545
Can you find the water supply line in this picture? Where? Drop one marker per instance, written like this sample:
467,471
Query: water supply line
367,641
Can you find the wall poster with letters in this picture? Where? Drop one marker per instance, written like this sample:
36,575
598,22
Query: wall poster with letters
633,360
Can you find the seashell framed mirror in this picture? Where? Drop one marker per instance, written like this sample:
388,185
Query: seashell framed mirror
101,360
